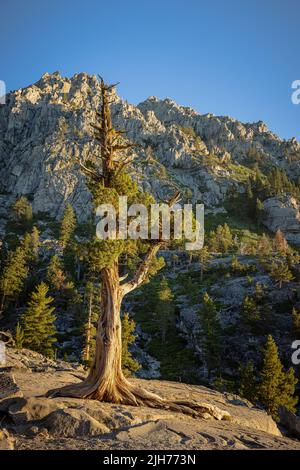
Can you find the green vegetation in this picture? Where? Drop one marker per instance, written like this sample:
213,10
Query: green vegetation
275,387
38,322
129,364
67,227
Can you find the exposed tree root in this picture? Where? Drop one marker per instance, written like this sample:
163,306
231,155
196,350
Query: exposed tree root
128,394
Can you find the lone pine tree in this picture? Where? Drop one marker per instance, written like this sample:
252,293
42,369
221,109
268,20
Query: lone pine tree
67,226
13,276
108,180
38,322
275,387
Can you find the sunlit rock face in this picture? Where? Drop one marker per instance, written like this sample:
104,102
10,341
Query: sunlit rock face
45,130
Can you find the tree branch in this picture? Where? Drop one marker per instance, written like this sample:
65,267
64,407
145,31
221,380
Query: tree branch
95,175
143,270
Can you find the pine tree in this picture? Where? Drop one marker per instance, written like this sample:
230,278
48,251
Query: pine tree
31,244
129,364
67,226
38,322
211,329
296,321
19,336
108,179
275,387
279,243
250,310
13,276
164,311
55,276
259,208
248,383
264,245
280,272
22,210
221,240
204,256
35,243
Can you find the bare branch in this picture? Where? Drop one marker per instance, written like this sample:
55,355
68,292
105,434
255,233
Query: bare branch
95,175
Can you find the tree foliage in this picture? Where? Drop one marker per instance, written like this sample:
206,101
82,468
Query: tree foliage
38,322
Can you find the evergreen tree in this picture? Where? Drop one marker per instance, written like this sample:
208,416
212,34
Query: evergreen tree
259,208
55,276
22,210
248,383
211,330
250,310
275,387
19,336
264,245
35,243
279,243
221,240
204,256
13,275
67,226
280,272
164,311
296,321
108,180
31,244
129,364
38,322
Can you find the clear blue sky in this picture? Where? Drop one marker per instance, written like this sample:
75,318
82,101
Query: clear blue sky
233,57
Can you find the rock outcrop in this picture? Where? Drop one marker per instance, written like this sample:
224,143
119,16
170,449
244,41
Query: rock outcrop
33,421
283,213
45,130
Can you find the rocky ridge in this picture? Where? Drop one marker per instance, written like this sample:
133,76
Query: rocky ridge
45,130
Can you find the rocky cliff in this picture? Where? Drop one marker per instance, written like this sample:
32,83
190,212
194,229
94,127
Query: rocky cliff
45,131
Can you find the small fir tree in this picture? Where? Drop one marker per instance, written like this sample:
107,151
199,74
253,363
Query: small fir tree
248,383
250,310
129,364
67,226
13,276
275,387
211,329
22,210
19,336
164,311
280,272
38,322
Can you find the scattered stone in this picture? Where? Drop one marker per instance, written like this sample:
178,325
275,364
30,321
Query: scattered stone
8,386
290,421
6,441
73,422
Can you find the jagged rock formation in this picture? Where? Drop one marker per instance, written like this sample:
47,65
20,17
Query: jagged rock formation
35,422
45,130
